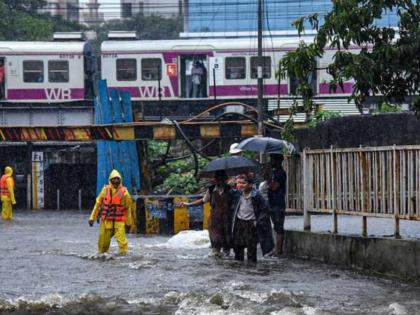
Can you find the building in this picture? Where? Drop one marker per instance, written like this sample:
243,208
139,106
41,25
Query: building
68,9
164,8
241,16
91,14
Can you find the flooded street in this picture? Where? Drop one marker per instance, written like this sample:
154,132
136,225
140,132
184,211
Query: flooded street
48,265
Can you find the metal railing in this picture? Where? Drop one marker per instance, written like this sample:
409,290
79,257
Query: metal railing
294,197
371,181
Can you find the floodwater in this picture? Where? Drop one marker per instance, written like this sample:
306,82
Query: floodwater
48,265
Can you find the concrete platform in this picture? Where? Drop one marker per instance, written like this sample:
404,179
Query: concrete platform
379,253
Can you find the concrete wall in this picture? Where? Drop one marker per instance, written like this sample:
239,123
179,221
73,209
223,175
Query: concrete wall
365,130
397,258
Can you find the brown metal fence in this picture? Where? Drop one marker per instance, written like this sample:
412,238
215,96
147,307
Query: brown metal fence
370,181
294,197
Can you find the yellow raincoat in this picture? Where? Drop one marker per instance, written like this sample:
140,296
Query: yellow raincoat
132,220
8,196
109,228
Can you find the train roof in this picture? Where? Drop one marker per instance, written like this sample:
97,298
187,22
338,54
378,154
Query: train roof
41,47
201,44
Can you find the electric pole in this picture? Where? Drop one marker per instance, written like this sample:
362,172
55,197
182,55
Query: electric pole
260,71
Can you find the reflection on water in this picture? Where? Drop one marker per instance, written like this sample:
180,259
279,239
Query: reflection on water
49,265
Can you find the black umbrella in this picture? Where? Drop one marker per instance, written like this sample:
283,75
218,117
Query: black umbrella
266,145
232,165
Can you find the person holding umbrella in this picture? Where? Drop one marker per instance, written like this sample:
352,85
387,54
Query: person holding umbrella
277,198
277,184
219,196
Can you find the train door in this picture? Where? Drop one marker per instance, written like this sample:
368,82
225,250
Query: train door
2,78
193,76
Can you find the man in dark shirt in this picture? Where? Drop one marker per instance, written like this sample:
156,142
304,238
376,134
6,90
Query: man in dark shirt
277,199
250,218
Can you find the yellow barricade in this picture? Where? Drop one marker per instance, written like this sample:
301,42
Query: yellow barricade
181,216
151,224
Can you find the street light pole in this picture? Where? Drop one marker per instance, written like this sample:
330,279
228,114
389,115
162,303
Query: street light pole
260,71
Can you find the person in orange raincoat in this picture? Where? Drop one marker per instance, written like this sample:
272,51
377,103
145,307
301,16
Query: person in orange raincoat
7,186
112,206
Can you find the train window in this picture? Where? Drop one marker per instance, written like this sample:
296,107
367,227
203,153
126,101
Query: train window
151,69
235,68
33,71
58,71
266,67
126,69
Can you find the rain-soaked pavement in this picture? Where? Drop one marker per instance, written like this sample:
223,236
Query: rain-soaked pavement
48,266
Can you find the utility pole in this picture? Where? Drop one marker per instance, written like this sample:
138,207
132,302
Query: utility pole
260,70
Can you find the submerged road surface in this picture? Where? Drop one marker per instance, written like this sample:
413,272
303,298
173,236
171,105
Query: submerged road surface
48,265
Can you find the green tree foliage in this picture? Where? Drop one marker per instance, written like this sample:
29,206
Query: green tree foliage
176,176
389,108
322,115
21,20
388,61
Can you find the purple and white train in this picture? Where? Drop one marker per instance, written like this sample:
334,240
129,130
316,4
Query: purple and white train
46,72
164,76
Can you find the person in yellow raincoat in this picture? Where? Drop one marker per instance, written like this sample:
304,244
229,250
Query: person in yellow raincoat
113,208
132,223
7,186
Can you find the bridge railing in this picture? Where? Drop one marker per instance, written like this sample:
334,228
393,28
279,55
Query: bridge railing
365,181
294,196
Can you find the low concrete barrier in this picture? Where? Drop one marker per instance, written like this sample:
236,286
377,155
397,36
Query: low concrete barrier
391,257
158,214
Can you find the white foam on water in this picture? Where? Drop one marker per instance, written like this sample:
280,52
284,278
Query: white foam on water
257,297
397,309
190,257
148,301
173,296
236,285
288,311
305,310
51,300
191,306
186,240
240,290
142,264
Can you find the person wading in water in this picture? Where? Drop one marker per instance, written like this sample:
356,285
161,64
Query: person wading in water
219,196
115,202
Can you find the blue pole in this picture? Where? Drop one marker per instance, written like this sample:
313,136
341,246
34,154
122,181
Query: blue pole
133,154
103,115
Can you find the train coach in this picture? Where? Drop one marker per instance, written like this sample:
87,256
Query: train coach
182,77
47,72
165,77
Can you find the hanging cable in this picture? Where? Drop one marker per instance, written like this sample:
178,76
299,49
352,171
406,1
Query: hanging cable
189,143
192,148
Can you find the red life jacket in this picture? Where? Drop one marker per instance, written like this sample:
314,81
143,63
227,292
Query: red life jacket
4,191
112,205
